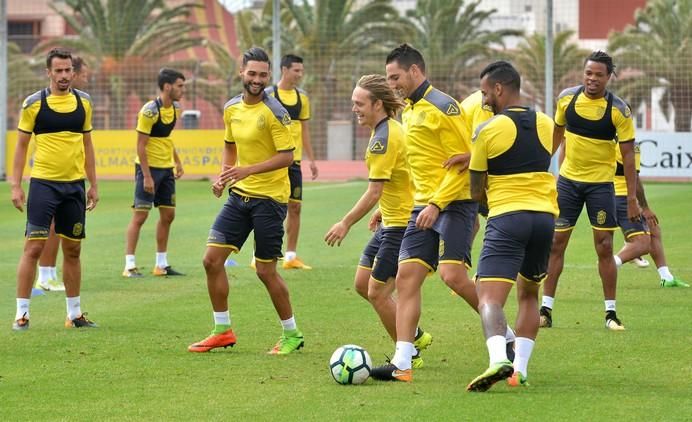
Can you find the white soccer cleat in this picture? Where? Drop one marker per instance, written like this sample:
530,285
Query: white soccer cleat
640,262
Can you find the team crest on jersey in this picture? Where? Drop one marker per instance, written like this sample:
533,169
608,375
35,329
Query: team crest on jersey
77,229
601,216
377,146
420,118
286,119
452,110
261,122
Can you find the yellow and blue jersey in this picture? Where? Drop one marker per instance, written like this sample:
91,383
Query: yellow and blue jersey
435,130
386,162
297,103
590,135
158,122
514,148
259,132
58,123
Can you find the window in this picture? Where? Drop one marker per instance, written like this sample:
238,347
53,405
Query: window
26,34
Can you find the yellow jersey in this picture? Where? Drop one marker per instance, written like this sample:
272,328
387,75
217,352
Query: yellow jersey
514,148
297,103
58,123
474,110
259,132
592,128
386,161
158,122
435,130
619,180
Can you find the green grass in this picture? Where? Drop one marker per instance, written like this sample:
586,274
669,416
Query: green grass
136,367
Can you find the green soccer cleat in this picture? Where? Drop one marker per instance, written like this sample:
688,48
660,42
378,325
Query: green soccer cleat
423,341
517,380
674,283
290,341
496,372
417,361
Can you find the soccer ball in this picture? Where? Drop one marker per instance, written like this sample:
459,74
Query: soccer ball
350,364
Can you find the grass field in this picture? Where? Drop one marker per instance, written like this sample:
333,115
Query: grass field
136,367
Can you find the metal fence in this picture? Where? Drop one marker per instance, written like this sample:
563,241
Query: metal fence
125,42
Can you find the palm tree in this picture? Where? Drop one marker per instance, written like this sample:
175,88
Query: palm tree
341,38
529,59
127,40
452,37
656,51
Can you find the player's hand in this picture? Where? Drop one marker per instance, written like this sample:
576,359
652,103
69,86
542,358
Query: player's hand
148,184
650,217
462,160
217,188
179,170
92,198
314,171
633,210
18,198
336,234
427,217
375,220
233,175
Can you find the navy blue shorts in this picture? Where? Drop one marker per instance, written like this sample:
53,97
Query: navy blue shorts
516,243
629,229
164,189
381,253
449,240
63,201
295,176
240,215
599,199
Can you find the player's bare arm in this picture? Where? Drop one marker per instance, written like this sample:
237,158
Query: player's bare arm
90,169
366,203
18,197
142,140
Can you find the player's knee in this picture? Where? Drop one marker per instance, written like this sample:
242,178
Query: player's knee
266,273
212,262
376,295
71,250
167,218
361,289
139,217
604,246
642,244
33,249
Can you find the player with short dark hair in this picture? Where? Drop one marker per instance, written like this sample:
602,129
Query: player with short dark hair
154,171
47,264
59,117
594,122
297,103
510,172
258,149
440,227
